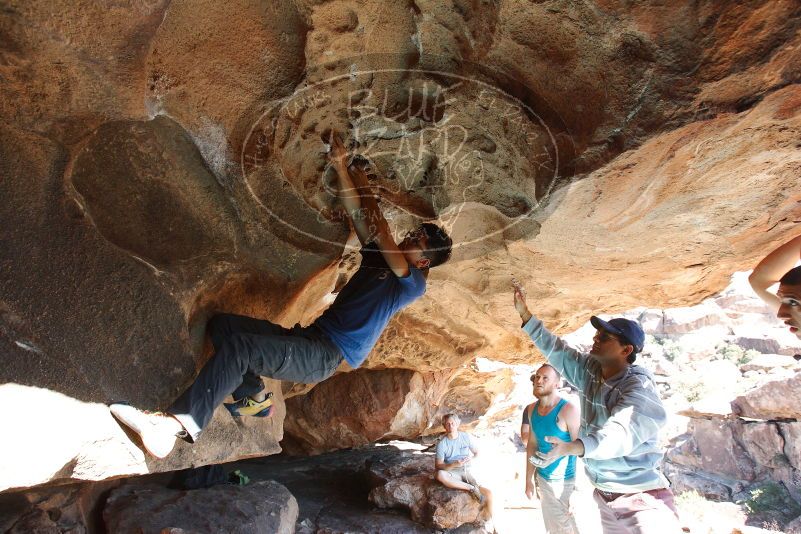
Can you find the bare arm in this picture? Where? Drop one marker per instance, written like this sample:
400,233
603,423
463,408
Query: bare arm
531,448
363,211
347,192
572,416
772,268
377,226
525,426
440,464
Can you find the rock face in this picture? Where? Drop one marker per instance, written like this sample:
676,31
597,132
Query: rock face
779,399
75,508
262,507
164,161
741,456
82,441
357,408
401,403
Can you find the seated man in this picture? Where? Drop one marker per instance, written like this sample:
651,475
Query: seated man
452,462
391,276
779,267
551,416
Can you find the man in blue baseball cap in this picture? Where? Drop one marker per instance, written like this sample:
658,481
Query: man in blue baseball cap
621,414
627,331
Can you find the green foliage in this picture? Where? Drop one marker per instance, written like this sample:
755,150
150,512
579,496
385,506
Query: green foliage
670,348
735,353
693,391
771,497
689,498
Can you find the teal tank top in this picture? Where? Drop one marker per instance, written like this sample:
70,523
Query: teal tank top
545,425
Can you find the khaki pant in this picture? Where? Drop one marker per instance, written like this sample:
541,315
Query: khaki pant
647,512
554,498
462,474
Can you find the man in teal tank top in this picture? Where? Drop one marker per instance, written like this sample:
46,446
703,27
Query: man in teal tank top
551,417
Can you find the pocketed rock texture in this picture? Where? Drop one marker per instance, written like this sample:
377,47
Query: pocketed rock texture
164,161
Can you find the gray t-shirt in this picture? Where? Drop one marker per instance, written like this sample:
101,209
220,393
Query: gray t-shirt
449,450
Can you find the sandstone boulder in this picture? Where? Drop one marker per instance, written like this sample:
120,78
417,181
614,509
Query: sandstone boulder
710,486
791,432
408,483
768,335
712,446
68,68
710,405
73,508
769,362
356,408
262,507
740,460
764,345
707,316
214,68
363,406
773,400
764,443
479,396
82,441
147,346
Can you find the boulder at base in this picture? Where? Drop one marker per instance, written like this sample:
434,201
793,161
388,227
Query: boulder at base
263,507
407,481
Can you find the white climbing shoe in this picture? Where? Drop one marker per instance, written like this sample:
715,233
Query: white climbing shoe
156,429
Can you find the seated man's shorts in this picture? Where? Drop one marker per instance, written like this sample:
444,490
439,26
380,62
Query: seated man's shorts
463,474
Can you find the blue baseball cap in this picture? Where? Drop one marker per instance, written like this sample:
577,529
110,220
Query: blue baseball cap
630,331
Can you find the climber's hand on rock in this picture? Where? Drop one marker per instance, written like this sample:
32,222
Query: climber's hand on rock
520,300
338,155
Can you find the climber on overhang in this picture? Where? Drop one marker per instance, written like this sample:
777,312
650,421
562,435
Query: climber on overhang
779,267
391,276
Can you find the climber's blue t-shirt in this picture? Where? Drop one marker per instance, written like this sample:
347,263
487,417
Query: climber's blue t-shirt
365,305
